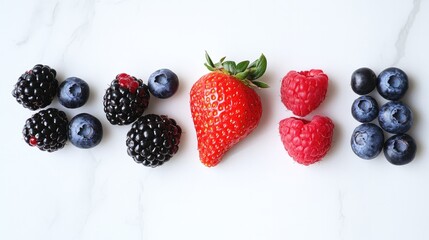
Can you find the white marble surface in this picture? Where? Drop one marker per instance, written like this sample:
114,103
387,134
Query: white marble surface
257,192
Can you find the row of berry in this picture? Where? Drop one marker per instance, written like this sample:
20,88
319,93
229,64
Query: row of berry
152,140
306,142
225,109
394,117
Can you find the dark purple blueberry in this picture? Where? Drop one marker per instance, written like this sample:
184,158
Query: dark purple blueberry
400,149
85,131
363,81
367,140
392,83
73,92
395,117
365,109
163,83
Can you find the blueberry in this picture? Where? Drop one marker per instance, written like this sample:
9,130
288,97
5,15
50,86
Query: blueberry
392,83
85,131
73,92
367,140
363,81
163,83
400,149
365,109
395,117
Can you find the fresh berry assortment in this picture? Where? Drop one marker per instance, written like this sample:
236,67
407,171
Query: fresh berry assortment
367,140
163,83
73,92
153,140
392,83
302,92
400,149
394,117
36,88
47,130
125,100
365,109
85,131
225,109
363,81
305,141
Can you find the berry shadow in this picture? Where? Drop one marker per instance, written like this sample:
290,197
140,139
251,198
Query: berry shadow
94,96
409,99
106,126
337,139
325,109
329,102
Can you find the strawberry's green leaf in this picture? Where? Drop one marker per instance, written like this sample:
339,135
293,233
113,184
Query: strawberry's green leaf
221,60
253,64
257,68
242,75
241,66
260,84
209,67
230,67
209,61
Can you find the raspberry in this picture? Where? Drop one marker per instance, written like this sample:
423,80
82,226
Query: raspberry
306,142
302,92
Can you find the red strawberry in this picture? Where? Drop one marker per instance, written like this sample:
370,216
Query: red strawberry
302,92
225,109
306,142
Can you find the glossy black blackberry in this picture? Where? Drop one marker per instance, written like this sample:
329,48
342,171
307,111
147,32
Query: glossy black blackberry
46,129
36,88
125,100
153,139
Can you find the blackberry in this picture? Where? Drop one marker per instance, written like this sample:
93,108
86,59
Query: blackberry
36,88
125,100
153,139
46,129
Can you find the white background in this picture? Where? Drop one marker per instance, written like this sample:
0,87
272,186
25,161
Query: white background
257,191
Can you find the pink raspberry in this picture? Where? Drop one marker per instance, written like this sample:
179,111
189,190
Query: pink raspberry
302,92
307,142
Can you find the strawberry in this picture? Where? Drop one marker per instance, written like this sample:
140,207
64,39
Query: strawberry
302,92
225,109
306,142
